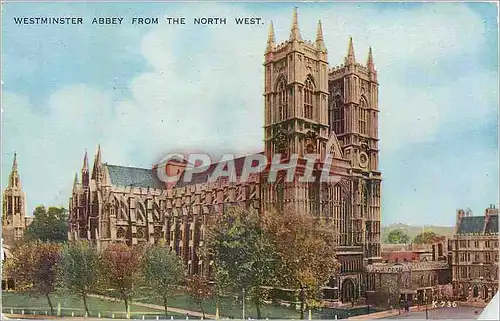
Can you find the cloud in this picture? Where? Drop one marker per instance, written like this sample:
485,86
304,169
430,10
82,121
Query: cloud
200,87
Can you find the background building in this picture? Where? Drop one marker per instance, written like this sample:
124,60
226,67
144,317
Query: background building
393,284
474,255
309,108
14,219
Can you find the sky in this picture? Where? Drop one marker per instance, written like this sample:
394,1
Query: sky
144,91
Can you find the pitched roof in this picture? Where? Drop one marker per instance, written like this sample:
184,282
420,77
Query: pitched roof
492,225
203,176
471,224
133,176
475,224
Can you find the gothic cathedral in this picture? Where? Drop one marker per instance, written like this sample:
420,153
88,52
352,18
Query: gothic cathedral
309,109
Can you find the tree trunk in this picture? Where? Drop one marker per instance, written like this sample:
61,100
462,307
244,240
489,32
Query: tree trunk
165,306
302,303
84,297
126,307
202,310
50,304
257,306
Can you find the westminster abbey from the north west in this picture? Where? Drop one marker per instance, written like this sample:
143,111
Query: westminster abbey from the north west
309,108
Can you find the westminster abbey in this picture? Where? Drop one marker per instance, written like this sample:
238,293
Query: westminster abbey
309,108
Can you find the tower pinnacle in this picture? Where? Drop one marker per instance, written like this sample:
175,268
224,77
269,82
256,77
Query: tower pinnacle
369,63
320,44
350,59
14,163
295,32
271,41
98,155
85,166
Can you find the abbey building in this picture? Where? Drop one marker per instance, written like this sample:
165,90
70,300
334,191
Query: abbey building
309,108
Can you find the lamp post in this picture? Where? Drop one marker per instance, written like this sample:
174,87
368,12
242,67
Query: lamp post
243,303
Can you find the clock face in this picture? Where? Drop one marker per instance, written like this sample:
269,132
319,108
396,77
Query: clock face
363,159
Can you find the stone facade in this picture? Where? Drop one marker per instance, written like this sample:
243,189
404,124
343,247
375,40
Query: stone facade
414,282
14,219
474,255
309,108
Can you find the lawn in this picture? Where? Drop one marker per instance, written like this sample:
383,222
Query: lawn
71,304
230,307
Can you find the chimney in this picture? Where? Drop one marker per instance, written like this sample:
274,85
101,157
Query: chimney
460,216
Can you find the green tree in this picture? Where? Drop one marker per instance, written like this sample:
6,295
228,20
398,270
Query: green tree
306,253
34,267
48,225
122,270
163,272
243,257
80,270
427,237
397,236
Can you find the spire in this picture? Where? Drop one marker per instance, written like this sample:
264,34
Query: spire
14,163
85,162
98,155
369,63
295,32
75,182
320,44
350,59
271,41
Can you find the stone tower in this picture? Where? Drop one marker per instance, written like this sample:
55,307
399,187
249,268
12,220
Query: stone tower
353,117
296,94
14,220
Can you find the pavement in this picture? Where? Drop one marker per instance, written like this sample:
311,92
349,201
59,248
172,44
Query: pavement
459,312
158,307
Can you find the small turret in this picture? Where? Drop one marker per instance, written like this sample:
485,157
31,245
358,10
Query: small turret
14,163
350,58
295,32
85,170
320,43
14,180
271,41
369,63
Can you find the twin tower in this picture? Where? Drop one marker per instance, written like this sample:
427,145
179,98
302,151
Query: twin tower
312,109
306,101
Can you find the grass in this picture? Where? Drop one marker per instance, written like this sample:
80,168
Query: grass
70,303
229,307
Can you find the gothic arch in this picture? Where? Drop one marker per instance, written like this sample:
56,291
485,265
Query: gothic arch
475,291
309,88
363,116
140,212
336,115
348,290
484,292
281,98
156,212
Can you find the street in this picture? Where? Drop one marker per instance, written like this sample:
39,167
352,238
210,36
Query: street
442,313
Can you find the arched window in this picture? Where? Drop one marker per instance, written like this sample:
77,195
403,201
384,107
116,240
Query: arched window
337,116
308,99
282,101
363,117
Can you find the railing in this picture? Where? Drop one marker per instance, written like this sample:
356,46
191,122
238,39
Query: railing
75,312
